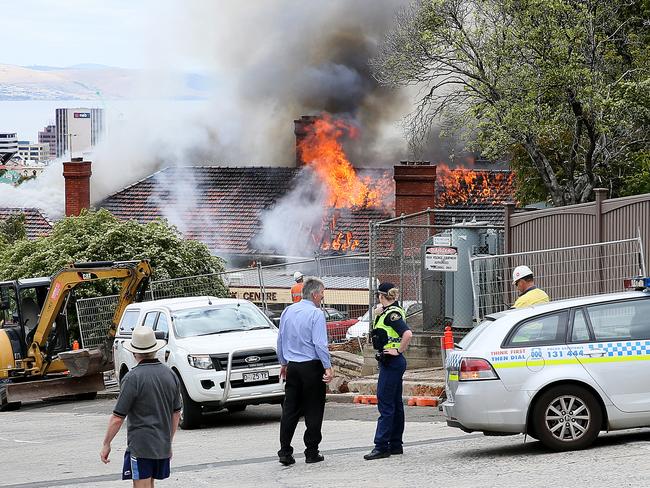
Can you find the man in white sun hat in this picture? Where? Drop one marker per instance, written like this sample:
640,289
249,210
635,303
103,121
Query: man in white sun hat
529,294
150,401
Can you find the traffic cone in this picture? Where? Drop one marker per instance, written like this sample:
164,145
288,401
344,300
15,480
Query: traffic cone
75,345
449,338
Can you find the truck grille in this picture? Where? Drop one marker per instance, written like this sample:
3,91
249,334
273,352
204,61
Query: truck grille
267,357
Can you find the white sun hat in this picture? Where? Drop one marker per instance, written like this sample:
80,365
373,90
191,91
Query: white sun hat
143,340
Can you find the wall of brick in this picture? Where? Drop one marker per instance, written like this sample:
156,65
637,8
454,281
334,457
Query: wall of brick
77,185
415,187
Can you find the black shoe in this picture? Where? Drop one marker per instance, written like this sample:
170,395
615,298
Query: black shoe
397,450
314,459
376,454
287,460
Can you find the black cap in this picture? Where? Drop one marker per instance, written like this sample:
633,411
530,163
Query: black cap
385,287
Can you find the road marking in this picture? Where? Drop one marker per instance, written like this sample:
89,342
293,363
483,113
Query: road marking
235,462
20,441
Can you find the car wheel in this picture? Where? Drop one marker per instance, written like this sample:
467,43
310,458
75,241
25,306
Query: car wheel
236,408
190,411
566,418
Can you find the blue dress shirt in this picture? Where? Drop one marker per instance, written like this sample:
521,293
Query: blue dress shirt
303,334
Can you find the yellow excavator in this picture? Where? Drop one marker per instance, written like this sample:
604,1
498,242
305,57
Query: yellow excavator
36,360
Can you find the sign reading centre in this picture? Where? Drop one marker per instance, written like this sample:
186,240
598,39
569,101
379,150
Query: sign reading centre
441,258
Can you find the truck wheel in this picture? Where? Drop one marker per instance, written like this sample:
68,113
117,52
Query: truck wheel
566,418
190,411
10,407
236,408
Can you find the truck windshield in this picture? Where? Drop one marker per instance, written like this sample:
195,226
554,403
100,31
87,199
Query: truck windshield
218,320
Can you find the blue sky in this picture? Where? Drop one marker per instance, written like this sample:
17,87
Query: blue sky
66,32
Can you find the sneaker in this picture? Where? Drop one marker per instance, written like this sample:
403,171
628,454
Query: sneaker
287,460
314,459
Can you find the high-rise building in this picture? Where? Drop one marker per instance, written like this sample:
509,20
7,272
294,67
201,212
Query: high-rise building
8,146
48,136
79,128
33,153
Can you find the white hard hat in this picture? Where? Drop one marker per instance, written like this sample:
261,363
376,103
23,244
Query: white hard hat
297,275
521,272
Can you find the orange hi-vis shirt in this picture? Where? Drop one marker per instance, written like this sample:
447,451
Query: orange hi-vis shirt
296,292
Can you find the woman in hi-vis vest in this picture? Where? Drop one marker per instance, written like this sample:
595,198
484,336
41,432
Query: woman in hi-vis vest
390,337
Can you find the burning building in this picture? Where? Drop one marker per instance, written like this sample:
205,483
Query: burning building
322,205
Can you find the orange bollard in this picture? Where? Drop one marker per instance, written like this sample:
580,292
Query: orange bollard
75,345
448,338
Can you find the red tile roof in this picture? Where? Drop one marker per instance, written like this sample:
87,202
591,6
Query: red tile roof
227,204
36,225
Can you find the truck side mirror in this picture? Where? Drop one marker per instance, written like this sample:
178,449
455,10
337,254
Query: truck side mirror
162,334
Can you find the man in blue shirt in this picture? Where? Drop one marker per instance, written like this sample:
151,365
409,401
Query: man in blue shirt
306,367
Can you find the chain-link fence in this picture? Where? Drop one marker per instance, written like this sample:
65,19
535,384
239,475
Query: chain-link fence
269,287
566,272
426,255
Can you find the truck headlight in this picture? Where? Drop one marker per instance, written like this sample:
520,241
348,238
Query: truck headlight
201,361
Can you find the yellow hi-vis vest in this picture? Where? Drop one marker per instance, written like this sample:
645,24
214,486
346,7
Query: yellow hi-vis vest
531,297
394,340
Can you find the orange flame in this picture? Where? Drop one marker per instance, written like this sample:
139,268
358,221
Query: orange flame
342,242
467,186
321,149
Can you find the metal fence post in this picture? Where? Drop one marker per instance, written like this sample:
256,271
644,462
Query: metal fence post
401,261
318,266
262,289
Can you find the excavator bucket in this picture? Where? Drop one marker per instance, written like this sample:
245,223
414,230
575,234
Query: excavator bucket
85,362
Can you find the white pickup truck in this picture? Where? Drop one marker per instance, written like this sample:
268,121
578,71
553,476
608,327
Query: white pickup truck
223,351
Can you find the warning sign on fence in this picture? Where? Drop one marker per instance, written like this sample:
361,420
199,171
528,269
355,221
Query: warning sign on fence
441,258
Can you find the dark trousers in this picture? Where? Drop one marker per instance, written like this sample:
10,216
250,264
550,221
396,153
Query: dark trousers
304,394
390,425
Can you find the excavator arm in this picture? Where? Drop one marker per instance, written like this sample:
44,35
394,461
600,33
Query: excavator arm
134,276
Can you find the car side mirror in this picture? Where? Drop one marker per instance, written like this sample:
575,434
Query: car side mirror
162,334
276,321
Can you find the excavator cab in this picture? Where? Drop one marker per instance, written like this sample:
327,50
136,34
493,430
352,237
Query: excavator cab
21,302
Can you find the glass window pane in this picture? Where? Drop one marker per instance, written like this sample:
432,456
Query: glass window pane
621,321
580,330
162,323
540,330
129,319
150,319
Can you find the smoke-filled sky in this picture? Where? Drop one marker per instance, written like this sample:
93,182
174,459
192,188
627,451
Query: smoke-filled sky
268,61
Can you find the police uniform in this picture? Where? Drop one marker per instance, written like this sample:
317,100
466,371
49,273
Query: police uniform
390,325
531,296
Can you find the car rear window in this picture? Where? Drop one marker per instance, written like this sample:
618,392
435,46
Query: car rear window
129,319
474,334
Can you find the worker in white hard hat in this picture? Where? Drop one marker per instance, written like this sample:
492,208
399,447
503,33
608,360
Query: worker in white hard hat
296,290
529,294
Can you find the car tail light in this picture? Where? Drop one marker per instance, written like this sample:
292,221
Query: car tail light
473,369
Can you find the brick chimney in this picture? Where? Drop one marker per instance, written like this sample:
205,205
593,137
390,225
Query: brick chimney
76,173
415,186
301,130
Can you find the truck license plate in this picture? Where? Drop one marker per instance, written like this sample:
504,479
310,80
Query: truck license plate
256,376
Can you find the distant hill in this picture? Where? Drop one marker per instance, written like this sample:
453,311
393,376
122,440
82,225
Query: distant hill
94,81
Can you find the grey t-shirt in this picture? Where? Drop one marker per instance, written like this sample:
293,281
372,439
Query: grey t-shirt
150,394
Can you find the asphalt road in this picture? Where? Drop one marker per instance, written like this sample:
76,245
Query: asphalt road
57,444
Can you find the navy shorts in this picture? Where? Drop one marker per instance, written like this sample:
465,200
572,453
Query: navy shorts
143,468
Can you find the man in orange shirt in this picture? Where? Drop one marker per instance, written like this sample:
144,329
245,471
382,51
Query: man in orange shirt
296,290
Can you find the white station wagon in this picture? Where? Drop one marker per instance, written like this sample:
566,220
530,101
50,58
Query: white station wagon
560,372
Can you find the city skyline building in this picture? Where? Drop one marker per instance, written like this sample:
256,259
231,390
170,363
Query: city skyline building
48,136
33,152
8,146
80,128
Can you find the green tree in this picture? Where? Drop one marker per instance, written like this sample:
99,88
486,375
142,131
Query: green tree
560,87
99,236
12,228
